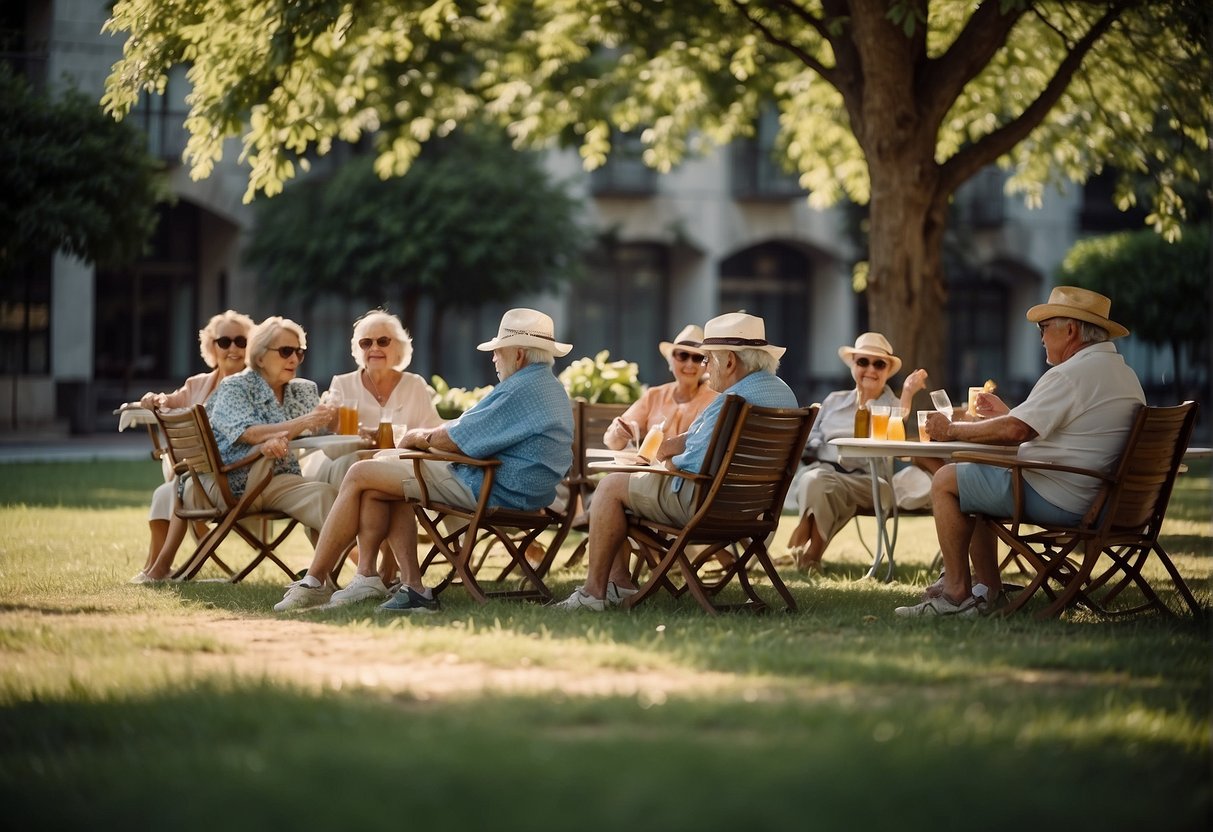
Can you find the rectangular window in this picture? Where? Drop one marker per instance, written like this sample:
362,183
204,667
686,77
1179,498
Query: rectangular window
25,321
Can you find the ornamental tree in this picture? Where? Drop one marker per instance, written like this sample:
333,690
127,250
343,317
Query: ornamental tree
892,103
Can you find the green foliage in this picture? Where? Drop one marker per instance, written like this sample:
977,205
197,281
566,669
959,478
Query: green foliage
1160,290
599,380
473,221
452,401
70,179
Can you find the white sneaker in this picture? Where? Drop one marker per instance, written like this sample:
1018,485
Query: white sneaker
299,596
579,600
360,588
616,594
939,606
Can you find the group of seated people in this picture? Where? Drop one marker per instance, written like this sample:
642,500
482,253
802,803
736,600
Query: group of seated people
1078,413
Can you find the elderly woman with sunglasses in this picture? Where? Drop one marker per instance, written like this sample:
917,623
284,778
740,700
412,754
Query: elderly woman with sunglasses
676,403
265,407
829,491
382,349
222,343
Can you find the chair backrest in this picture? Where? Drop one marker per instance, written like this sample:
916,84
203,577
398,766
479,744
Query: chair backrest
1145,474
590,422
191,446
753,455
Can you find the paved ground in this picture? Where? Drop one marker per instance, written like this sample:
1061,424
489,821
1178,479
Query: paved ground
32,447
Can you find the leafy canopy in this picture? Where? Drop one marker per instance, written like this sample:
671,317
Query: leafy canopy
473,221
70,179
985,78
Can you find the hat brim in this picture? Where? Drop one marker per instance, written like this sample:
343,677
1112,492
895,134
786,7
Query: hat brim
771,349
1044,311
847,354
526,342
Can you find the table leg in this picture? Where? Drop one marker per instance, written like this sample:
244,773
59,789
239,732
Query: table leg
885,543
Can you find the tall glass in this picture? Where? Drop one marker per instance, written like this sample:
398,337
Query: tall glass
942,403
880,421
896,431
923,436
973,391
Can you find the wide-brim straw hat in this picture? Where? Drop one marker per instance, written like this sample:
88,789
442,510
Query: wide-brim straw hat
526,328
689,338
737,331
873,345
1081,304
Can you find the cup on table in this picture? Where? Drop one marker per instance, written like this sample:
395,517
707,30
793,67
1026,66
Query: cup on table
973,391
347,420
398,431
880,421
896,431
923,436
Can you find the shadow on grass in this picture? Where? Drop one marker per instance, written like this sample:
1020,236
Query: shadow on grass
254,756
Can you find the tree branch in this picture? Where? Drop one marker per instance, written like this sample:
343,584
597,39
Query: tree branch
827,73
974,157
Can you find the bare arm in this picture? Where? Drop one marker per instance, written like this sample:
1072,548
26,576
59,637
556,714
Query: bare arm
318,418
1000,430
423,439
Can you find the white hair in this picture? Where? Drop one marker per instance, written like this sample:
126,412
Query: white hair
754,360
208,333
263,335
399,334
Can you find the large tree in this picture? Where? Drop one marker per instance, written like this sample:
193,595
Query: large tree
70,179
893,103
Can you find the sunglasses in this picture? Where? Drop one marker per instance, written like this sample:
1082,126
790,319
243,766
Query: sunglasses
683,355
878,363
225,342
382,342
287,352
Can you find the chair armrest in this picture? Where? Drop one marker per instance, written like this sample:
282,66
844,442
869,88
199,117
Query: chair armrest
247,459
444,456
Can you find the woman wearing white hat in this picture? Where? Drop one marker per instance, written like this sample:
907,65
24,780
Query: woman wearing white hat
829,491
676,403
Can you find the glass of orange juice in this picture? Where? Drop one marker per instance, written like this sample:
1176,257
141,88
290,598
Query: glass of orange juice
896,431
923,436
880,421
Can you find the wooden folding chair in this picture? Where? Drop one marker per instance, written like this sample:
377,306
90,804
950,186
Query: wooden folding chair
753,453
590,422
1092,564
456,543
191,447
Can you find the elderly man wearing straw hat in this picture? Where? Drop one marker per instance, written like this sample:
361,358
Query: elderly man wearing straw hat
525,422
741,361
1078,414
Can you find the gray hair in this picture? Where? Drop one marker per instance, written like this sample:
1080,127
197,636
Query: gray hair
753,360
399,333
208,333
537,355
263,335
1090,333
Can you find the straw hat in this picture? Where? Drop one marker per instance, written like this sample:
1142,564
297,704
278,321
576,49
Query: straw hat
527,328
1081,304
737,330
689,338
873,345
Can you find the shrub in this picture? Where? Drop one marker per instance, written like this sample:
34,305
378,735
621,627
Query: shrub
600,381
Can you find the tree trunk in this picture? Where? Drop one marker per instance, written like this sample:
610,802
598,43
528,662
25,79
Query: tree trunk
436,342
906,295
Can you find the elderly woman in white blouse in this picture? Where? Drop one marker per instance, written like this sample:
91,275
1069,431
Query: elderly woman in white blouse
382,349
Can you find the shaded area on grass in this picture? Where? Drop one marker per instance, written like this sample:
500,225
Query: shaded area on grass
248,756
110,484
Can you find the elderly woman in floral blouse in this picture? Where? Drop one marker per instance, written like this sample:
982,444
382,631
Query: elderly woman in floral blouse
265,407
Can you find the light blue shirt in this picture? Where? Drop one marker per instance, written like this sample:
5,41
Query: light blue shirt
761,388
245,400
526,421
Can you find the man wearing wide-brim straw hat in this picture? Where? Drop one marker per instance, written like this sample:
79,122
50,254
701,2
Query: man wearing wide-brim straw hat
1078,414
741,361
525,422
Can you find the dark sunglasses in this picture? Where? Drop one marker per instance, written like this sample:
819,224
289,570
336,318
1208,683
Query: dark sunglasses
878,363
683,355
225,342
287,352
382,341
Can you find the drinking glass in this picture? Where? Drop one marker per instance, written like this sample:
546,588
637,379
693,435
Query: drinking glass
896,431
880,421
398,432
973,391
923,436
942,403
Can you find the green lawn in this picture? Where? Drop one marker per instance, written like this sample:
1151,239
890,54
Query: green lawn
196,707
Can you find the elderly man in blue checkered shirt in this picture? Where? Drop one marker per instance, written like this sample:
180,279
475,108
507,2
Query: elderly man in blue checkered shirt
525,422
